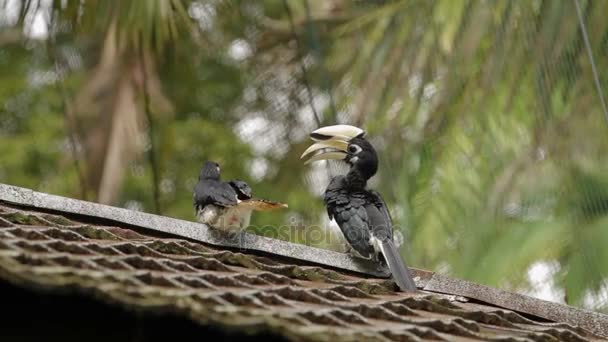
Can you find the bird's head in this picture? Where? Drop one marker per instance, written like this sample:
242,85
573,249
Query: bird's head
210,170
347,143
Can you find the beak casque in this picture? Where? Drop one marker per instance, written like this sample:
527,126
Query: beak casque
339,132
333,140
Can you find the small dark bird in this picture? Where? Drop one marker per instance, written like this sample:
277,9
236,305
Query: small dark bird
361,213
228,205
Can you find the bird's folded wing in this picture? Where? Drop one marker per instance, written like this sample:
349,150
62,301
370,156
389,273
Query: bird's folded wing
261,204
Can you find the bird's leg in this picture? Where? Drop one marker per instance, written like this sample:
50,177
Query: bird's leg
375,257
353,252
349,250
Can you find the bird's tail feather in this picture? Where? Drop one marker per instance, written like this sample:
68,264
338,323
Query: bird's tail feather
399,270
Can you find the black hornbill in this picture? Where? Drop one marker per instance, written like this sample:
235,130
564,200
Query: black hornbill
361,213
226,205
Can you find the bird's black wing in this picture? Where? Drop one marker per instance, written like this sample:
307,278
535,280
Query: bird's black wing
214,192
382,232
242,189
348,210
387,222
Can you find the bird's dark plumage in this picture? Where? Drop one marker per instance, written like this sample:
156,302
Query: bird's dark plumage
242,189
361,214
348,210
211,190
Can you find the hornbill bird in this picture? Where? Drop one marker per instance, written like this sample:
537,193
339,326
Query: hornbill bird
361,213
228,205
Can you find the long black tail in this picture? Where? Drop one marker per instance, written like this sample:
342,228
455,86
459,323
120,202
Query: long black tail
401,274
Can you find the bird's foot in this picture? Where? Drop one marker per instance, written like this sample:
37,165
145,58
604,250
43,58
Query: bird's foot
352,252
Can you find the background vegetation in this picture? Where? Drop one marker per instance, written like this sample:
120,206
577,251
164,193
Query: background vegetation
489,125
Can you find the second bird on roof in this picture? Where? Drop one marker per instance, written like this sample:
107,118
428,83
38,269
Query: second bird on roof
227,205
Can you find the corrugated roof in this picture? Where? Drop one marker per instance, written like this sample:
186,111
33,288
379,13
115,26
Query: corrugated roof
253,291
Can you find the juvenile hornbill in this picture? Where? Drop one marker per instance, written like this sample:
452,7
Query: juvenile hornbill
361,213
228,205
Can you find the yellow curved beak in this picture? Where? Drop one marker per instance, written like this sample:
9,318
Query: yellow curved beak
332,141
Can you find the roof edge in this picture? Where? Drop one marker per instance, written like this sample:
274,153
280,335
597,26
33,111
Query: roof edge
593,321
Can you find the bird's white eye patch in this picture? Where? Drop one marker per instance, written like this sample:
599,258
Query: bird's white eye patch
218,168
354,149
